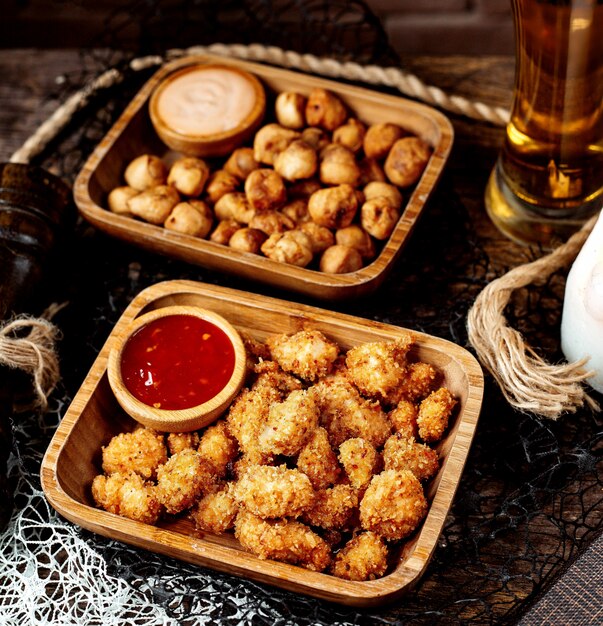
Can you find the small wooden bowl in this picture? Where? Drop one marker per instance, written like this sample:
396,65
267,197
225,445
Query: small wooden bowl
171,127
176,420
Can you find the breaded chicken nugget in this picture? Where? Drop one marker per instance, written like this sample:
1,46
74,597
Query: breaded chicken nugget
182,480
404,418
363,558
218,448
307,354
270,374
434,413
393,505
377,368
333,508
401,453
141,451
181,441
318,461
420,380
360,460
282,540
216,512
289,424
127,495
271,492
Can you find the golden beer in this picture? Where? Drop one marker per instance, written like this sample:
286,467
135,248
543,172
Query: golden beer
549,176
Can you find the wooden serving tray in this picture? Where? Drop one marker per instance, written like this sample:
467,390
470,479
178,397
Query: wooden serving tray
133,134
74,455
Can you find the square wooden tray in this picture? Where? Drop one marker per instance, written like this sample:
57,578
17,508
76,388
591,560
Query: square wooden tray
73,457
133,134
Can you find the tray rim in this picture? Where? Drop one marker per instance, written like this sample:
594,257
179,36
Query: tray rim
214,556
202,252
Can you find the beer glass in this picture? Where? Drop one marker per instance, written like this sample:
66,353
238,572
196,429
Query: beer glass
548,178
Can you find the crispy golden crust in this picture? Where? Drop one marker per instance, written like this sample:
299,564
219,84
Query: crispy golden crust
127,495
393,504
141,451
333,508
420,380
404,418
271,492
270,374
360,460
282,540
318,461
363,558
434,413
216,512
218,448
181,441
401,453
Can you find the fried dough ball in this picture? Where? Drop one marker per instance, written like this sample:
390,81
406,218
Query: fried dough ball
234,205
282,540
191,218
145,171
220,183
271,492
141,451
375,189
325,109
334,207
340,259
307,353
407,160
321,237
393,504
289,424
270,140
189,175
293,247
127,495
350,135
176,442
434,413
270,374
318,461
333,507
290,109
379,217
316,137
216,512
404,419
297,161
380,138
248,240
370,171
402,453
360,460
270,222
218,447
420,380
241,163
224,231
182,480
265,190
364,557
344,413
118,198
297,210
155,204
354,236
338,166
377,368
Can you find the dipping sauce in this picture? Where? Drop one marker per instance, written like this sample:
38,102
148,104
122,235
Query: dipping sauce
177,362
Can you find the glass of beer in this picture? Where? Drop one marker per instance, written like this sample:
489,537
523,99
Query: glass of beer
548,179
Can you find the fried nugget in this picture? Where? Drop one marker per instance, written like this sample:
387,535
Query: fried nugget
333,508
318,461
218,447
420,380
404,418
360,460
402,453
181,441
270,374
216,512
271,492
141,451
282,540
393,504
127,495
363,558
434,413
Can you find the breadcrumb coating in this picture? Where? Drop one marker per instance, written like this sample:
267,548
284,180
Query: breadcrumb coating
332,508
402,453
141,451
318,461
360,460
404,418
218,448
127,495
271,492
434,413
307,354
282,540
177,442
364,557
419,381
393,504
216,512
270,374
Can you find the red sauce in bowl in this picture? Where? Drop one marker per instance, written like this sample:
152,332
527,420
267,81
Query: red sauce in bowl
177,362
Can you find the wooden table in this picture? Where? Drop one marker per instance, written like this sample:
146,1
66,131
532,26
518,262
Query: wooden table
527,503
